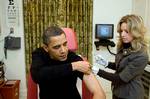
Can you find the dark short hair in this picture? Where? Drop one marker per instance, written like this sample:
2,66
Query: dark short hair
50,32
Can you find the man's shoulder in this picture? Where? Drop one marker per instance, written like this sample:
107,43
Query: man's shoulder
38,50
74,56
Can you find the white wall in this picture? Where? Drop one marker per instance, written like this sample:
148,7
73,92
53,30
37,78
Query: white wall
15,62
109,12
142,8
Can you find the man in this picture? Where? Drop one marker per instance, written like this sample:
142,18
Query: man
55,69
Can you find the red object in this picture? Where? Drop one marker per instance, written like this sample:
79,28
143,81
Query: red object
73,46
10,90
86,94
32,89
71,38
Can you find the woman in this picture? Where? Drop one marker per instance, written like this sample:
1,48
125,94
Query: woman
130,60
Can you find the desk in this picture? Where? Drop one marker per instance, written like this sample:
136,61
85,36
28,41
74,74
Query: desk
10,90
1,87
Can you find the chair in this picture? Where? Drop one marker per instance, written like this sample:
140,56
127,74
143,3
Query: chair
72,45
32,91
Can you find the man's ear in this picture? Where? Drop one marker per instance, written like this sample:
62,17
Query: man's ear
45,47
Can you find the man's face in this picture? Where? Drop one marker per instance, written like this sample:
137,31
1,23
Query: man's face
57,48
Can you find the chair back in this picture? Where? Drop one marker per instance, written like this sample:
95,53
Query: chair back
71,39
32,91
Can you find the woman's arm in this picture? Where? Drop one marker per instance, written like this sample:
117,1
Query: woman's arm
110,76
111,65
94,86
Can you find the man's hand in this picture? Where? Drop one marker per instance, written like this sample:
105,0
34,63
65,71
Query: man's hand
100,60
82,66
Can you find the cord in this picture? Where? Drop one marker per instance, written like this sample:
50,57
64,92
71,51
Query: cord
110,51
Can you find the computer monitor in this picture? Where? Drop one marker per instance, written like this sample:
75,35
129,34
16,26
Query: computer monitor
104,31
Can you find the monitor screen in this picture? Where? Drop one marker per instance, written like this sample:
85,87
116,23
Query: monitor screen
104,31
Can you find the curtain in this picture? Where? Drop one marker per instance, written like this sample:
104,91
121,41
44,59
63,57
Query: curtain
39,14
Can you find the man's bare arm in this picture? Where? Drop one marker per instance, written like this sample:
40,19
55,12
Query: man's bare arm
94,86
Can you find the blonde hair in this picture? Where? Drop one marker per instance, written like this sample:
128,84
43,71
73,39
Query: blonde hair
135,26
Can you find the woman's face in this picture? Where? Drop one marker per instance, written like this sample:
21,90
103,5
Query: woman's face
125,35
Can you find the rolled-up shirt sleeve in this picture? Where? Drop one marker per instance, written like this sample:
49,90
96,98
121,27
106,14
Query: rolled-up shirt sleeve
43,71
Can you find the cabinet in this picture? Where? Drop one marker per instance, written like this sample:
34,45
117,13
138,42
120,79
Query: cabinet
146,83
10,90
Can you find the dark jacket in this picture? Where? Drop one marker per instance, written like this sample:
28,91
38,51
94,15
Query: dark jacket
55,78
129,69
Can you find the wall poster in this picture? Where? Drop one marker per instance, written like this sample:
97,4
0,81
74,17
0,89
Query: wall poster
12,13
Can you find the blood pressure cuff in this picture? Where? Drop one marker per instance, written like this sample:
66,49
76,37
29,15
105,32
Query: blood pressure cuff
11,43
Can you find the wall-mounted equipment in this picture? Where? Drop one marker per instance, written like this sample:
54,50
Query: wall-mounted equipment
11,43
104,32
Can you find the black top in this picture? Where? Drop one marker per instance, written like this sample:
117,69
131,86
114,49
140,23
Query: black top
55,78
